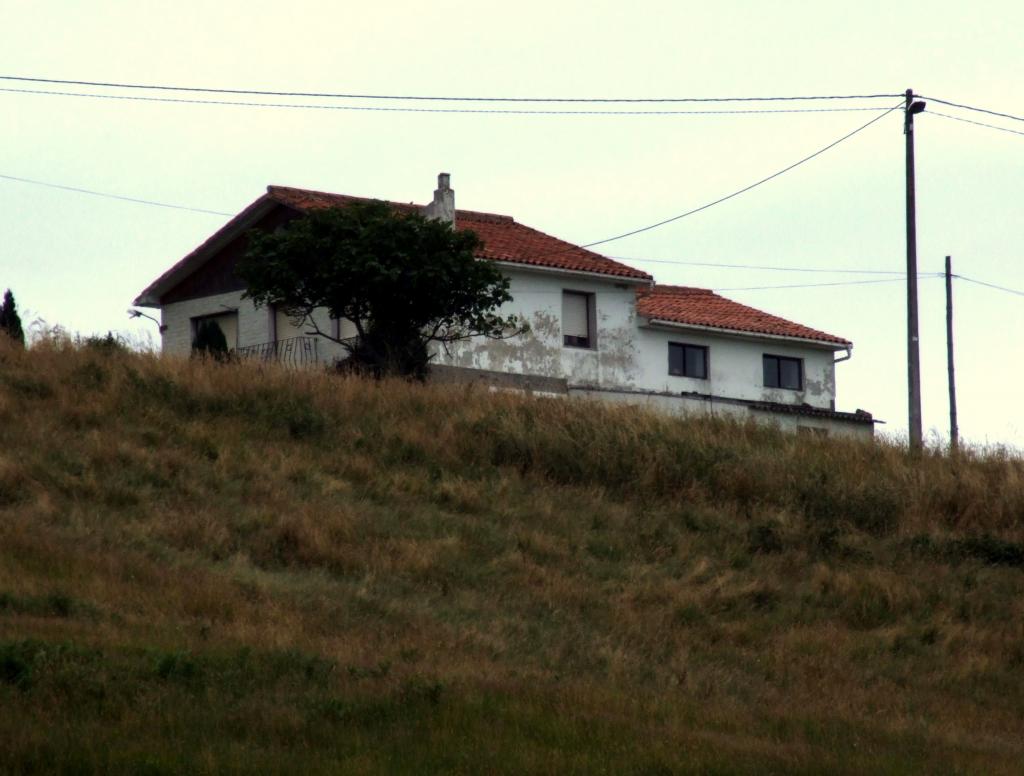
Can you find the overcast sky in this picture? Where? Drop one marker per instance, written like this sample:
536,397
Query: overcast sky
79,260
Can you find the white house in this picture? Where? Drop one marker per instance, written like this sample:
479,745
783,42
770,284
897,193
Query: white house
598,328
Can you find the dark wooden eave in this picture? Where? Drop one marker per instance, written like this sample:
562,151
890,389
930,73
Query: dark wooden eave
153,293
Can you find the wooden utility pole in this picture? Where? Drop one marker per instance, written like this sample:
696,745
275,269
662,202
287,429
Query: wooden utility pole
954,431
913,350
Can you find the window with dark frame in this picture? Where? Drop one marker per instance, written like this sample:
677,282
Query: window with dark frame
577,317
688,360
783,372
226,322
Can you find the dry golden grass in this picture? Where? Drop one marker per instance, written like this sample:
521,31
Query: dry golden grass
210,568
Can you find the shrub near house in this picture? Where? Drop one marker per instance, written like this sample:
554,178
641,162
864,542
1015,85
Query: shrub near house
10,321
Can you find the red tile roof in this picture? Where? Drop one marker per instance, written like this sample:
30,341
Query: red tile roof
702,307
503,238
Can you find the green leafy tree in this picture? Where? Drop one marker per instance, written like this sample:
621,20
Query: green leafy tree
210,340
10,321
404,281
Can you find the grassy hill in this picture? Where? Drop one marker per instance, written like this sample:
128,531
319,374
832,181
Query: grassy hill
210,568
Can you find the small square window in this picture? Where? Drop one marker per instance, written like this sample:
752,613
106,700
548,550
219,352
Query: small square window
783,372
687,360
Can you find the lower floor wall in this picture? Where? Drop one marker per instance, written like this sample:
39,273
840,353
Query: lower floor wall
848,425
676,404
258,332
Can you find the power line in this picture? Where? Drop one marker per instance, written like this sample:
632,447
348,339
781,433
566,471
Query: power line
990,285
403,109
976,123
745,188
823,285
620,258
610,239
588,245
447,98
115,196
971,107
760,267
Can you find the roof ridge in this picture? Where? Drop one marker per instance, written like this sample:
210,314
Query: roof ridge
665,288
703,307
480,215
274,189
470,215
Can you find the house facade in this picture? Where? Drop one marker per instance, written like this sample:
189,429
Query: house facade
598,328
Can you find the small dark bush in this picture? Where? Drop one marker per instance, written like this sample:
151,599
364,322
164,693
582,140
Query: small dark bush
867,609
418,688
873,505
986,548
293,662
687,615
158,390
91,376
178,666
303,421
28,387
378,671
110,343
990,550
14,670
13,489
52,605
59,604
824,540
604,550
764,538
16,663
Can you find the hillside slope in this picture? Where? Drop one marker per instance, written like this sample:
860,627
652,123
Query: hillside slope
210,568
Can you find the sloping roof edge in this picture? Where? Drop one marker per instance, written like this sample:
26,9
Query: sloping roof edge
860,416
150,296
522,245
304,199
702,308
833,345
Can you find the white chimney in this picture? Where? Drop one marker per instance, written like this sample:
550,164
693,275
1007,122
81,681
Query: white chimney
443,206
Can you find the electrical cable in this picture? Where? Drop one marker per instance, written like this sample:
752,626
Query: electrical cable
990,285
599,242
923,275
447,98
392,109
115,196
971,107
760,267
976,123
745,188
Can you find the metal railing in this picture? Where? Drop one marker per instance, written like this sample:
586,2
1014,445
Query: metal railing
292,352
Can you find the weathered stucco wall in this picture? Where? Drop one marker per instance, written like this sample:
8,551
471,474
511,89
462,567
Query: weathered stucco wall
256,325
693,405
735,367
627,355
537,296
177,317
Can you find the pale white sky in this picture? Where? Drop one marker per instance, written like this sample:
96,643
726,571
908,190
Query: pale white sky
79,260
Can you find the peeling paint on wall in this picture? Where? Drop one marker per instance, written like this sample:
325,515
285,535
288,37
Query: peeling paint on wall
628,356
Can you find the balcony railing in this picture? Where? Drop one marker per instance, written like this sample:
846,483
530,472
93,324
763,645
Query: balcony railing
292,352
